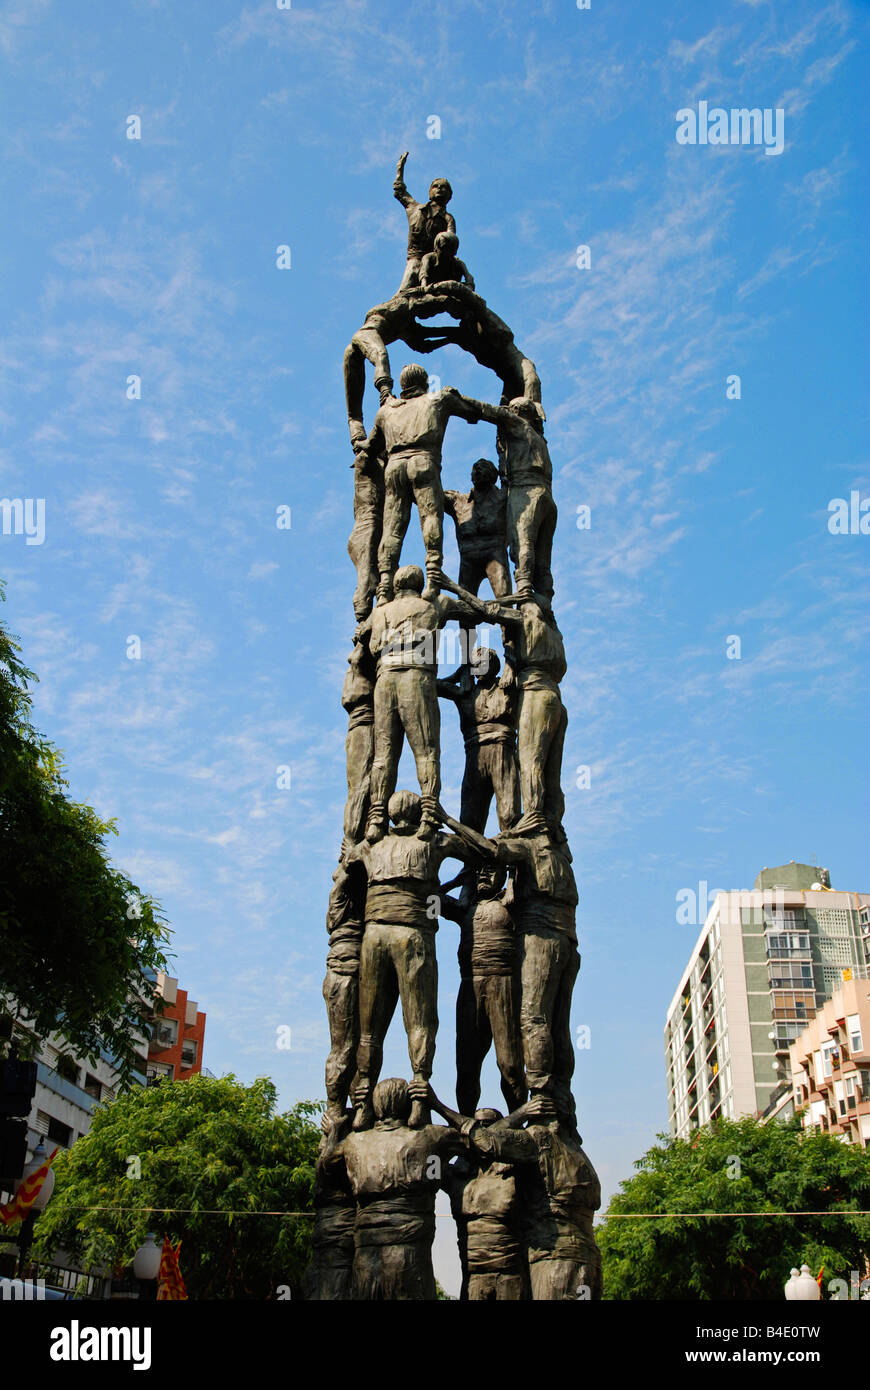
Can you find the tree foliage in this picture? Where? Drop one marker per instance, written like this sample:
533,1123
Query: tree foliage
76,935
737,1166
211,1149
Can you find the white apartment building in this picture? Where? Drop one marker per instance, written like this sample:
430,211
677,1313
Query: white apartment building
765,960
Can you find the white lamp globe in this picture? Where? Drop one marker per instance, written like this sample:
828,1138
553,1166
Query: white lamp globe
146,1261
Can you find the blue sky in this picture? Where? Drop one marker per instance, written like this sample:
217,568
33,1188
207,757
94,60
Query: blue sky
156,257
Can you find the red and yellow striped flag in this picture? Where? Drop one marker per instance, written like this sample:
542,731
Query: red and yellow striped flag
169,1281
26,1195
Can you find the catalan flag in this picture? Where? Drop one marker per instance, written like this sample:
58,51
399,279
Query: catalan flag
28,1190
170,1284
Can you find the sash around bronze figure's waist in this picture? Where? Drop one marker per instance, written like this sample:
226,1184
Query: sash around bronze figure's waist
402,903
411,661
431,454
335,1220
491,733
393,1220
493,958
546,916
533,677
492,1247
528,478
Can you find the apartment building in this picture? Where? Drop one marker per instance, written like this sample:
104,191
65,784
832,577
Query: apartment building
765,960
177,1033
830,1063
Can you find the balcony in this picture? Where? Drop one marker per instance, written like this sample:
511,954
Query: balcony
163,1038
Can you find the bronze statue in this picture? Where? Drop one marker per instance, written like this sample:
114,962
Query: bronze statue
344,922
425,221
442,265
394,1172
484,1202
403,635
478,331
545,902
368,522
488,720
330,1274
480,520
488,1002
358,699
409,431
528,472
521,1188
538,652
558,1193
397,959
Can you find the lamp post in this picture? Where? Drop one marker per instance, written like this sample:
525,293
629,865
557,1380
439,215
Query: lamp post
40,1202
802,1287
146,1267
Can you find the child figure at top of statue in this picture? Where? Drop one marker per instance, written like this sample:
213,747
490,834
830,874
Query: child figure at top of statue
443,265
425,221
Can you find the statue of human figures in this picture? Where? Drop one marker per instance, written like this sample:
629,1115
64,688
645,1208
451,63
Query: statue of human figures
488,1002
368,520
480,520
522,1191
488,720
558,1193
394,1172
403,635
344,921
425,221
485,1206
397,958
544,909
537,649
330,1273
528,472
358,699
443,266
409,432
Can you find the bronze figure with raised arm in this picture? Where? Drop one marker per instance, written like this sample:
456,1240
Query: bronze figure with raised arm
425,221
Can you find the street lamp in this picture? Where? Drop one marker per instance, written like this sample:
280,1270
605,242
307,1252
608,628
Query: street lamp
146,1266
40,1202
802,1287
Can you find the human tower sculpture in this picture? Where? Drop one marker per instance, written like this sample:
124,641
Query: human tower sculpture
522,1190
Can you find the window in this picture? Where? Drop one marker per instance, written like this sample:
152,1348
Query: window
784,944
93,1087
67,1068
853,1026
188,1052
851,1086
59,1133
828,1050
792,1006
791,974
165,1033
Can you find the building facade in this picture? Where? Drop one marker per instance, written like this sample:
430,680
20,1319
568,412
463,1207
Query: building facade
177,1033
764,961
830,1063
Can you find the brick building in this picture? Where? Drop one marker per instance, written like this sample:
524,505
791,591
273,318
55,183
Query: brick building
177,1033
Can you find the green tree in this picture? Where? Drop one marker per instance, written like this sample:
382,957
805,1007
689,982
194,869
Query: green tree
76,936
736,1166
215,1152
